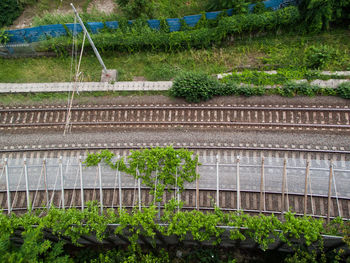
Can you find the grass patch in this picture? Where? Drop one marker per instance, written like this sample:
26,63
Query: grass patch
61,97
263,53
52,11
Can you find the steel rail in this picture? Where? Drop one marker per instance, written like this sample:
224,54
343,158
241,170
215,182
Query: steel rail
190,147
175,123
195,107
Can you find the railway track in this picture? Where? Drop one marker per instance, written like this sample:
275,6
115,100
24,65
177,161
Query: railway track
205,150
229,116
251,202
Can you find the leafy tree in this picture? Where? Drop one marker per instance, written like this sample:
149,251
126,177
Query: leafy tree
9,11
318,14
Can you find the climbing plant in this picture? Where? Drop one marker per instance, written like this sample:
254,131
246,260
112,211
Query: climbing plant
158,168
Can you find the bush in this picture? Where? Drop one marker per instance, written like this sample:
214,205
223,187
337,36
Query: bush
343,90
194,87
268,21
238,6
136,8
319,57
260,8
145,38
9,11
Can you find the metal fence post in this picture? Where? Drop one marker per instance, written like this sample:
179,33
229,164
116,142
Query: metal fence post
177,193
306,185
81,183
197,190
217,182
139,188
45,182
27,183
62,181
262,186
330,190
7,187
100,183
238,185
120,191
284,184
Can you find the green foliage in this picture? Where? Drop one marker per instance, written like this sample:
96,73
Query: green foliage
260,8
343,90
48,18
73,224
133,9
141,37
186,87
9,11
238,6
4,37
269,21
158,168
194,87
318,14
319,57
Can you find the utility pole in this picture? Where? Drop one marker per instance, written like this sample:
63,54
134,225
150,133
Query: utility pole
107,75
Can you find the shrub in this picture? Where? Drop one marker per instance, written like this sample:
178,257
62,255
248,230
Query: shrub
267,21
319,57
239,6
249,91
194,87
136,8
259,8
343,90
9,11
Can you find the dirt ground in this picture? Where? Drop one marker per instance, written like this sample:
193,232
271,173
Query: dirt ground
26,19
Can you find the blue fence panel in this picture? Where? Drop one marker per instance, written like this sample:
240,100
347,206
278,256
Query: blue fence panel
34,34
192,20
274,4
229,12
54,30
112,24
77,28
16,36
154,24
174,24
212,15
95,26
251,7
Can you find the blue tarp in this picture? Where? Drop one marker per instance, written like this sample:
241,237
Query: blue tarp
154,23
192,20
77,28
112,24
95,26
274,4
229,12
54,30
174,24
17,36
34,34
212,15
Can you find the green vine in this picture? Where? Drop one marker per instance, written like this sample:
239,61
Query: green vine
159,168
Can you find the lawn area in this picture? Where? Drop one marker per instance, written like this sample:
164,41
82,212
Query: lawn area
268,52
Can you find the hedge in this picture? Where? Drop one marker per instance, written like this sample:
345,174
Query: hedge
137,38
